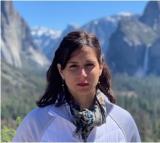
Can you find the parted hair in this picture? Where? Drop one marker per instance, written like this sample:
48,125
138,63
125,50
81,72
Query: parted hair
70,43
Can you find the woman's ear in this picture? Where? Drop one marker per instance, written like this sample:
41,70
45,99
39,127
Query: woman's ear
60,70
101,69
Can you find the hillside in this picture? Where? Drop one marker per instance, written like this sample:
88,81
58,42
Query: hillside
140,96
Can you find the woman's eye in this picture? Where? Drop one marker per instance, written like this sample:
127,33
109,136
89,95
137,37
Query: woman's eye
73,66
89,65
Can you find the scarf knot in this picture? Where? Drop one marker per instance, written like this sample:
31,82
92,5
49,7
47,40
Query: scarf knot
86,119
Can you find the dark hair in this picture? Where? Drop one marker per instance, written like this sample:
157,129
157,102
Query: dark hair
69,44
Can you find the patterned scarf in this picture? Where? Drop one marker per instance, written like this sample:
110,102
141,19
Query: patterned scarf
86,119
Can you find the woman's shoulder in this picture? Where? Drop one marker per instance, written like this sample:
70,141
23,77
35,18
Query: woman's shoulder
40,112
47,112
33,125
115,111
118,112
124,120
121,116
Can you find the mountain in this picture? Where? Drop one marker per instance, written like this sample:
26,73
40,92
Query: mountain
45,39
23,65
151,15
17,45
154,56
68,29
104,27
20,89
48,40
134,46
130,43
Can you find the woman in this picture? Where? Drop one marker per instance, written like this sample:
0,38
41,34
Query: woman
78,104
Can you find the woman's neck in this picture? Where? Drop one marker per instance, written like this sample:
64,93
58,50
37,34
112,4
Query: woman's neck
85,101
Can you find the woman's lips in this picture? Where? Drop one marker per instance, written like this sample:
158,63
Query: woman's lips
83,84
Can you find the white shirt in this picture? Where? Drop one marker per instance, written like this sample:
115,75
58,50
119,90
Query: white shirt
53,124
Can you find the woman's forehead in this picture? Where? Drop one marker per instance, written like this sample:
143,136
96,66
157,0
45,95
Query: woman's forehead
85,54
84,51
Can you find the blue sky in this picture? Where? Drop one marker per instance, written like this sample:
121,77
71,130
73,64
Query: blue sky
57,14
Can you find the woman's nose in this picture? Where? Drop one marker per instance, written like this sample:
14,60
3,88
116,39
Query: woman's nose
83,72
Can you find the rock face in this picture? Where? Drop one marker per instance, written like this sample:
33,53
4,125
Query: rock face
154,56
130,43
17,44
151,15
45,39
68,29
11,44
102,28
134,46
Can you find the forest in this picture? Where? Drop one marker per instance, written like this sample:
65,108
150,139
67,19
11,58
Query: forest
139,95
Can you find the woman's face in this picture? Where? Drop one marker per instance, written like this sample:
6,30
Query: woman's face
82,72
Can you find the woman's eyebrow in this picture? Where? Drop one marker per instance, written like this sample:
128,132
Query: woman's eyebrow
91,61
72,62
88,61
